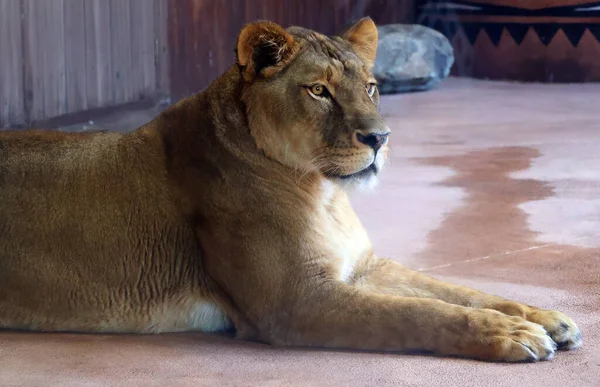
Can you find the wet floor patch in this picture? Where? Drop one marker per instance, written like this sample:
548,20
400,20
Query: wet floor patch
489,234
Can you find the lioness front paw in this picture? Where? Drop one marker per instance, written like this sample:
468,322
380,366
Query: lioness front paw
509,338
559,326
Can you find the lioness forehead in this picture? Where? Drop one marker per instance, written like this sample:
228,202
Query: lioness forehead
335,53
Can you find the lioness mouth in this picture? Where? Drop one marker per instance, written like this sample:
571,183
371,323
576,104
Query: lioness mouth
371,169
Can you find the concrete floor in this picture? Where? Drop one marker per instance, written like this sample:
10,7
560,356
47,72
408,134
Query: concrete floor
491,185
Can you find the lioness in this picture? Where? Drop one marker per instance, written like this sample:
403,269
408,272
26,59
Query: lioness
229,211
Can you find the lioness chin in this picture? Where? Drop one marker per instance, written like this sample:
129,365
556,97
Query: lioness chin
229,211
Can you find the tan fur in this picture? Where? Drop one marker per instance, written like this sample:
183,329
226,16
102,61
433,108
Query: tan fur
229,210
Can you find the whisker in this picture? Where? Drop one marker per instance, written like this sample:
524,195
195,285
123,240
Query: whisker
305,169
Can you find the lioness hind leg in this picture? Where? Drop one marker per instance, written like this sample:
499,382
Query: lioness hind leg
389,277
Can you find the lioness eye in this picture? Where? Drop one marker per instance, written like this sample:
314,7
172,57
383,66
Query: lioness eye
318,90
371,87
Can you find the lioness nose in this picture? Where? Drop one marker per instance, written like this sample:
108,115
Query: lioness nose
374,140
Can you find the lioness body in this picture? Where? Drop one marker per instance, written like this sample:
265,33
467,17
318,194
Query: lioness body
105,229
229,210
92,236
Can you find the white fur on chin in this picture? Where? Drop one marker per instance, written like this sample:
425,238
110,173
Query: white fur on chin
367,184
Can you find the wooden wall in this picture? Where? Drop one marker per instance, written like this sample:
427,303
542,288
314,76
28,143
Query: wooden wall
202,33
65,56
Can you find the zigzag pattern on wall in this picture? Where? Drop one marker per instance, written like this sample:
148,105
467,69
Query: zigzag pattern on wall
445,16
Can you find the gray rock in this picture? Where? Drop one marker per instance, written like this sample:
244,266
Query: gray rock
411,58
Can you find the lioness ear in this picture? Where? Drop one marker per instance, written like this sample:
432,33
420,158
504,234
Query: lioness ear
262,48
363,38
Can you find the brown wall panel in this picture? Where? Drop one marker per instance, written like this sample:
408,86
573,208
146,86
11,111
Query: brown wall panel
202,33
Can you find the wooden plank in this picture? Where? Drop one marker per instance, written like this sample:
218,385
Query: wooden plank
12,109
120,33
76,91
148,42
180,56
51,41
33,79
143,74
98,53
90,16
218,25
45,50
136,38
161,46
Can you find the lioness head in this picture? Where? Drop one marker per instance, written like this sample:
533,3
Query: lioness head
311,100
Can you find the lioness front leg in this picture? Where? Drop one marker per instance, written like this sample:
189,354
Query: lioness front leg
389,277
338,315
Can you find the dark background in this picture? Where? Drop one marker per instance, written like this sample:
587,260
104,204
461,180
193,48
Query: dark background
202,34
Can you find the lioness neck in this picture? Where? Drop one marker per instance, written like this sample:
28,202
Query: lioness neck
216,120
